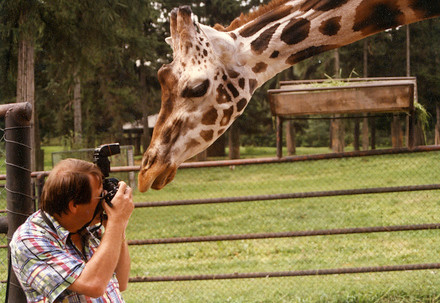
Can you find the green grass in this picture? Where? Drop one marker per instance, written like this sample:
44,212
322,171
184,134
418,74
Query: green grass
353,288
48,150
289,254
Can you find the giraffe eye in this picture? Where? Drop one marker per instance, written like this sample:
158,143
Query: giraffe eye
196,91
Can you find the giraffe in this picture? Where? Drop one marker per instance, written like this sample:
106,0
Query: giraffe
215,70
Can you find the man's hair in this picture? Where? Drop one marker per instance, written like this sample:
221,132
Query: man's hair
69,180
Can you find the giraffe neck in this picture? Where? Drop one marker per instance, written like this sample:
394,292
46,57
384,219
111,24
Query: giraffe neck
296,30
214,73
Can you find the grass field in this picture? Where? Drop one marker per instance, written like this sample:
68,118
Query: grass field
291,254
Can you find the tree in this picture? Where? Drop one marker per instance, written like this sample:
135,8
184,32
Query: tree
20,23
87,58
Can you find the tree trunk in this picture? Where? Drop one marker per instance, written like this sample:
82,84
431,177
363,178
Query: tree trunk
419,138
338,135
336,125
365,58
365,134
146,136
356,135
290,138
77,116
202,156
408,52
437,124
337,65
234,142
396,132
217,149
26,92
373,133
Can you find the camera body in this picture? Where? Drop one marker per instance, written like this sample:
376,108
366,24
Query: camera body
100,158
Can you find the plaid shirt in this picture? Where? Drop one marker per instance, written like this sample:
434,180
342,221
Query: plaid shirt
46,262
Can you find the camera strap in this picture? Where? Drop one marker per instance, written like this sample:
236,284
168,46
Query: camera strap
97,210
48,222
69,240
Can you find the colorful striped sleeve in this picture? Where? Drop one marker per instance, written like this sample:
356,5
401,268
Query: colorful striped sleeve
46,267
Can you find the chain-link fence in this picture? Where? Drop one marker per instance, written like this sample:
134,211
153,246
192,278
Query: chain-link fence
288,231
317,216
16,196
3,237
124,158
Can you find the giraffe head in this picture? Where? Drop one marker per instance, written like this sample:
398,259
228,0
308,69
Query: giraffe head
203,92
214,73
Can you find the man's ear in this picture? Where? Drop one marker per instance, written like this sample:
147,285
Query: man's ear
73,208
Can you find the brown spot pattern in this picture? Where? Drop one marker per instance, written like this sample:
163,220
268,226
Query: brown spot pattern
170,134
166,135
227,113
241,104
241,83
322,5
232,73
252,85
165,109
295,31
275,54
207,135
193,143
210,117
425,8
374,16
188,46
260,67
260,44
167,81
331,26
264,20
222,95
233,90
308,52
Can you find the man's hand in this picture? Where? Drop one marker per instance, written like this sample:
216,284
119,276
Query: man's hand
112,254
122,207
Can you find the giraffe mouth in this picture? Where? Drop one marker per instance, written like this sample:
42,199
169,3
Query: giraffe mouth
156,176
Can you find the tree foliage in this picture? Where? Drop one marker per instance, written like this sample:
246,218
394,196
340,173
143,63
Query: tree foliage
117,46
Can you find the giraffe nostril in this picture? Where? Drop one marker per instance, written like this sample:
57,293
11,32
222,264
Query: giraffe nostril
144,161
148,161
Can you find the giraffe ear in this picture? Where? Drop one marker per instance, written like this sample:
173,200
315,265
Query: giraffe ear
169,41
222,43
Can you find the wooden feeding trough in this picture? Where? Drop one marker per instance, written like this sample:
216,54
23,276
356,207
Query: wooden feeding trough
348,96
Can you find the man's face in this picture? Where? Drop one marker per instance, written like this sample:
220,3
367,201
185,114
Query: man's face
86,211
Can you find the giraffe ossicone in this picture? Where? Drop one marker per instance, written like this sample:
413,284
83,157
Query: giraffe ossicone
215,71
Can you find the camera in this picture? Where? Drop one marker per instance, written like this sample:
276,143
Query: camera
100,158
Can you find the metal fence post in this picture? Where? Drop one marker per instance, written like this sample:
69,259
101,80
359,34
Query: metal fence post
18,181
130,162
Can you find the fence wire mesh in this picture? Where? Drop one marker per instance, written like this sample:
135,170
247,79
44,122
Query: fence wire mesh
286,215
289,254
3,237
124,158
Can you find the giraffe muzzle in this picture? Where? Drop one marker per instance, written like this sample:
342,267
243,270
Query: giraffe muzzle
156,176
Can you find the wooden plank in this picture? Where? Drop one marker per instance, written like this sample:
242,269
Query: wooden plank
288,83
371,97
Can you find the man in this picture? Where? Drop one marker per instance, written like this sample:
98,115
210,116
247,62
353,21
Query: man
55,258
